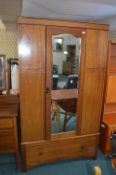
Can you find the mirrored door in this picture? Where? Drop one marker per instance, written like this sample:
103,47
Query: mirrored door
64,54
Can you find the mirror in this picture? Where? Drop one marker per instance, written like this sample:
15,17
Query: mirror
66,51
2,72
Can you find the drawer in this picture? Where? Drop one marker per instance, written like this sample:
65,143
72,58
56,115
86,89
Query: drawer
6,123
6,140
6,136
53,150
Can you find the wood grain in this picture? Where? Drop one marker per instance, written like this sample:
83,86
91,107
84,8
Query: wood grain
96,51
109,108
111,89
64,94
92,100
48,151
6,140
112,57
110,120
9,105
65,135
32,81
31,46
32,97
6,123
61,23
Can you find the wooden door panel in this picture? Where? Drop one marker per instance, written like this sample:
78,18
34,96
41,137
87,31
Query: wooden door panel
32,97
92,102
96,51
32,46
111,89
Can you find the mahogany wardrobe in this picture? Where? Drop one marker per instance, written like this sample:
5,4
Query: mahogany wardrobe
62,76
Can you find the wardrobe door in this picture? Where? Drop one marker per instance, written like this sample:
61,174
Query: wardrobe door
32,82
93,86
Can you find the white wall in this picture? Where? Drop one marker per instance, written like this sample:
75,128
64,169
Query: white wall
9,43
111,21
112,26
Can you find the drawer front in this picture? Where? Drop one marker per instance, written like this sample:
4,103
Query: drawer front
6,123
6,140
48,151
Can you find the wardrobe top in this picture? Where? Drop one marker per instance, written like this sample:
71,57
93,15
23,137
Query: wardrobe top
62,23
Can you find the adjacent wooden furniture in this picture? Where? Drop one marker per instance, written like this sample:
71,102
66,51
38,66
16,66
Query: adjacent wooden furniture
8,125
109,113
38,144
107,128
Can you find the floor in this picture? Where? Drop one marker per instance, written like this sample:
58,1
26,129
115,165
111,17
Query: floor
68,167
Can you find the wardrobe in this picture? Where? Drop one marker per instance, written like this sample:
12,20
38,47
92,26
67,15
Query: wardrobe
62,76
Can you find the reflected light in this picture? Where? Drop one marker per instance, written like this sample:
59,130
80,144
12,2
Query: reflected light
65,52
83,32
59,41
24,50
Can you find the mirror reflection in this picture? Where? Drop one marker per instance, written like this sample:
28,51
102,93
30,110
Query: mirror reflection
66,50
65,61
